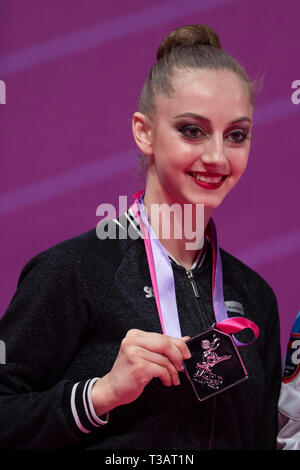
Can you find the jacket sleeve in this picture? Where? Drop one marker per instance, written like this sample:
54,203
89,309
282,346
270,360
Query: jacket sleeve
42,330
271,358
289,401
289,416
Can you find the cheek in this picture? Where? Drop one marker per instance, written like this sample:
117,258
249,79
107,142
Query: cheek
171,157
238,165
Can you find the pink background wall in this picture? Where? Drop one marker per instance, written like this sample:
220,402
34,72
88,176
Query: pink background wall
73,71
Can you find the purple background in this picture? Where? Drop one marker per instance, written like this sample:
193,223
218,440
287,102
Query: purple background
74,70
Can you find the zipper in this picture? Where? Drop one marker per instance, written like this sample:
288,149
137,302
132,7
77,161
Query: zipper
196,296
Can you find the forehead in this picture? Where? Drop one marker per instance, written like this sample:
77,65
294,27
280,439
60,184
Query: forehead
213,93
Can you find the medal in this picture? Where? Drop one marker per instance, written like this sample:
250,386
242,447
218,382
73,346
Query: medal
215,364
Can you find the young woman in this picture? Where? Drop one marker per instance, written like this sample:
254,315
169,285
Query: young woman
96,340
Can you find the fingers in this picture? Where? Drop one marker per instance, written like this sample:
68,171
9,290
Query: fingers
169,378
175,349
143,356
164,375
166,350
185,338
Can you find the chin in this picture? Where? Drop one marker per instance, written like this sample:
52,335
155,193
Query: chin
209,203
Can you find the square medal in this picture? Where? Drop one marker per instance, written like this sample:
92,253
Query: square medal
215,364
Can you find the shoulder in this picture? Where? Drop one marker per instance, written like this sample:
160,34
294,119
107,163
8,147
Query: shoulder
85,255
235,271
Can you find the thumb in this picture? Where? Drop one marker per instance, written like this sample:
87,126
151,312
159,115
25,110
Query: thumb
185,338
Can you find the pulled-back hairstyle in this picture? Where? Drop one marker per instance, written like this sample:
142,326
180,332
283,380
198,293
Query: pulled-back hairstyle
190,47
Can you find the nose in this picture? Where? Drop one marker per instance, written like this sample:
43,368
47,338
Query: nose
213,154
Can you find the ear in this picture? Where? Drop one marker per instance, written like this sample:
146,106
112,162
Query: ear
142,132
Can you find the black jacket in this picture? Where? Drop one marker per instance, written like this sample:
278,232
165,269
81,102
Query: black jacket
74,304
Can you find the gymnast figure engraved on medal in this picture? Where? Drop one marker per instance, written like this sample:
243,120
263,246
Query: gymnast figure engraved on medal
210,358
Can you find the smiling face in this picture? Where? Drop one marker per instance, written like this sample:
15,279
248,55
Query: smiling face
199,139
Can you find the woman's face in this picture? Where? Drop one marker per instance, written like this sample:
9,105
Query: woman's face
200,138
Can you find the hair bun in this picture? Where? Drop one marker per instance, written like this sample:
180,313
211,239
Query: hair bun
188,36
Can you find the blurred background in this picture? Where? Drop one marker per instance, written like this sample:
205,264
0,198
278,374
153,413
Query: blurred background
73,71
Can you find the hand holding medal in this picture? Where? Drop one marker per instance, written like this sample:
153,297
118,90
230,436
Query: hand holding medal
142,357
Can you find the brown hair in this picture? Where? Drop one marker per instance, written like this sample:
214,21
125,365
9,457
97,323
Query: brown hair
194,46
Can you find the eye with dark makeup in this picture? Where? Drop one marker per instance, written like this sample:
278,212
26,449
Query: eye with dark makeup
237,136
192,131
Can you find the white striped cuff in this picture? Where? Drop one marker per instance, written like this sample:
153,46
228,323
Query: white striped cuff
83,412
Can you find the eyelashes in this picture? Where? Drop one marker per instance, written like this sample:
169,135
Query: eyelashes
238,136
194,132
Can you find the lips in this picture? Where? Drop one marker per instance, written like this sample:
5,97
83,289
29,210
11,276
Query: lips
207,180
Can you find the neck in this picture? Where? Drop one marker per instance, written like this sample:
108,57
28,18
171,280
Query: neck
179,227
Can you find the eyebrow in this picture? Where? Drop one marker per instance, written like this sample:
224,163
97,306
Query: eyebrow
203,118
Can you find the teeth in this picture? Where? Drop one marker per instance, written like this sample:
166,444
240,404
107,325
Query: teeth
207,179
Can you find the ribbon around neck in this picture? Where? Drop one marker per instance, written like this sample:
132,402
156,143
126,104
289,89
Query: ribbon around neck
163,281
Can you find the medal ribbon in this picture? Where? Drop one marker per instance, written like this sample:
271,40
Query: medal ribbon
163,281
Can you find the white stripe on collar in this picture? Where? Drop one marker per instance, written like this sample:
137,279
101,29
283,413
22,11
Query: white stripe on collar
133,221
197,261
199,257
